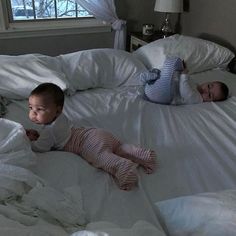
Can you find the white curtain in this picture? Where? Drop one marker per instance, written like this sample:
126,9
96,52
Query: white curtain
105,10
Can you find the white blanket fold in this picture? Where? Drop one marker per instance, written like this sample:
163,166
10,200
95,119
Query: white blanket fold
25,196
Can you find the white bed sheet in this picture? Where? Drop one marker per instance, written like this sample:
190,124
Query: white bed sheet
195,145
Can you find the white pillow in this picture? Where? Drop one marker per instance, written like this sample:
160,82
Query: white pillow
205,214
104,68
198,54
20,74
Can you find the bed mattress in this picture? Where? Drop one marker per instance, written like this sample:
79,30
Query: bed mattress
56,193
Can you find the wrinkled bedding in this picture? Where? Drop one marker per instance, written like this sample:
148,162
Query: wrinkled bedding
58,193
25,197
30,201
195,146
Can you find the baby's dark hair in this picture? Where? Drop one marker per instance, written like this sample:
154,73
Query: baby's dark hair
224,90
51,90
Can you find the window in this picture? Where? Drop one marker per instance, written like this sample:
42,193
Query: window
28,10
28,18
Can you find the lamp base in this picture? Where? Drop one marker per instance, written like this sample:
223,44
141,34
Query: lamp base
166,27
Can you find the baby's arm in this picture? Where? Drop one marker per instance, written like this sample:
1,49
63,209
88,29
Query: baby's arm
32,134
188,90
44,142
185,70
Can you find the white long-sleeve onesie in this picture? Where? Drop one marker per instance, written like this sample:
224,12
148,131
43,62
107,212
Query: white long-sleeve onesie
97,146
185,91
53,136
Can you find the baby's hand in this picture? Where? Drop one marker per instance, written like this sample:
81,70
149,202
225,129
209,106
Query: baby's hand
185,70
32,134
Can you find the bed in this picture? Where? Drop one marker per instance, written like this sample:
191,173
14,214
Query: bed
193,191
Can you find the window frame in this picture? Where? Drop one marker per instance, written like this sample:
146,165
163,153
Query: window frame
44,28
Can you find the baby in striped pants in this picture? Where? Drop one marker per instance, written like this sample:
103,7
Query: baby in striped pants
97,146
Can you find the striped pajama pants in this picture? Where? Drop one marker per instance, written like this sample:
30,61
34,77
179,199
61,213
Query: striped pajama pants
102,150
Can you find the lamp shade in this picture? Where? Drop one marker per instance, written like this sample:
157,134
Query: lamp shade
169,5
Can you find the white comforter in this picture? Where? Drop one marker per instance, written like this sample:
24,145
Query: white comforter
184,168
31,205
195,147
26,198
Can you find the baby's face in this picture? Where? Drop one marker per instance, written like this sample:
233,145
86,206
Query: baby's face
42,110
210,91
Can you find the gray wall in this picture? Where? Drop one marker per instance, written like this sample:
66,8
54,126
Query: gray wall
210,19
135,12
55,45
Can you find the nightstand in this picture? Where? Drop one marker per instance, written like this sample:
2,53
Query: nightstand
137,39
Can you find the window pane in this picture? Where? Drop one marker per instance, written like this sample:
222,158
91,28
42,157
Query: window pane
22,9
82,12
66,8
46,9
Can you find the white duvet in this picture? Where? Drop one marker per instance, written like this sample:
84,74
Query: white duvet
26,198
15,155
30,205
62,194
195,146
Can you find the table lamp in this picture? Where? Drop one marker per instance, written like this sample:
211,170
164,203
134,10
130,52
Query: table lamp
168,6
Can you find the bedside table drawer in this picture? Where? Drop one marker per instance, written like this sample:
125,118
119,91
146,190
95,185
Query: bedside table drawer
137,39
136,43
